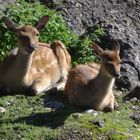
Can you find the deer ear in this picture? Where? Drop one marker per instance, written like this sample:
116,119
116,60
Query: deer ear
98,50
42,22
9,24
116,46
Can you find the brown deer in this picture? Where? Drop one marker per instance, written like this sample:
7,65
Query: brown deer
34,67
91,85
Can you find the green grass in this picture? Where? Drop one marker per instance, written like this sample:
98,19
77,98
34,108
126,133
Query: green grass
28,118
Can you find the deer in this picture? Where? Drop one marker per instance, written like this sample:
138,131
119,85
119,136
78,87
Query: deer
91,85
34,67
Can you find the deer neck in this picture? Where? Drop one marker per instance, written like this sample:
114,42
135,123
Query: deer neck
103,82
23,63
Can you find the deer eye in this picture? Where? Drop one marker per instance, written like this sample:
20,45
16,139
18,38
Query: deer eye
37,34
107,58
109,63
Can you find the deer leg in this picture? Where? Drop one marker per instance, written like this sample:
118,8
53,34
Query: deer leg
58,87
40,85
61,85
116,106
111,105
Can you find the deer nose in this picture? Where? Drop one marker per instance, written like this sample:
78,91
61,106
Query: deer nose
33,46
116,74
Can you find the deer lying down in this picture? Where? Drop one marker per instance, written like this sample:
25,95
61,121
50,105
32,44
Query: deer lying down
33,66
91,85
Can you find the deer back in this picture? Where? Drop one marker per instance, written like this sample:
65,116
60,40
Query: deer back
54,62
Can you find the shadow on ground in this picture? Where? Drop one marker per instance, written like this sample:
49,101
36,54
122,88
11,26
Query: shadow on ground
52,118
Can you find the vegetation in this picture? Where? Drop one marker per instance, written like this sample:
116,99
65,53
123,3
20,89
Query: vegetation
56,29
29,117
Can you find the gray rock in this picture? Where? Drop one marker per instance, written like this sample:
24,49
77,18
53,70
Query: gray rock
121,19
7,1
54,105
92,112
2,110
99,123
4,4
77,115
136,117
135,93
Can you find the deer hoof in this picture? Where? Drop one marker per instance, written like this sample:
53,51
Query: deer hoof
108,109
31,92
116,106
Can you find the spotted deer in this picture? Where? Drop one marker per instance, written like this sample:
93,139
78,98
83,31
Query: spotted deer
91,85
34,67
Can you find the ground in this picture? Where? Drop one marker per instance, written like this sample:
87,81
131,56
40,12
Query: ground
31,118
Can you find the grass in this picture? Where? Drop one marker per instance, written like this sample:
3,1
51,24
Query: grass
29,118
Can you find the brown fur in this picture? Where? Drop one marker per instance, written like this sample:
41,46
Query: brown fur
34,65
91,85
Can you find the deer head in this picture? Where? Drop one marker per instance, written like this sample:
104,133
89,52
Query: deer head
110,59
28,35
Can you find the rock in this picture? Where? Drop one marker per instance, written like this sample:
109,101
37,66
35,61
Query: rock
7,1
3,3
133,99
3,6
136,117
77,115
121,20
99,123
134,94
135,107
131,138
93,112
2,110
54,105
